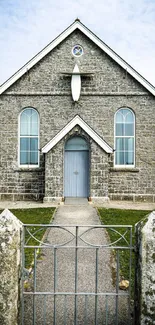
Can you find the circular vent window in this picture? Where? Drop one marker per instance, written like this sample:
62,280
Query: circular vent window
77,50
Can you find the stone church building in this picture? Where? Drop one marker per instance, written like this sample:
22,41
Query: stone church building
77,121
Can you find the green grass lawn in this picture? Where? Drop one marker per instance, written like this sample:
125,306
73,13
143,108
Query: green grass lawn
33,216
123,217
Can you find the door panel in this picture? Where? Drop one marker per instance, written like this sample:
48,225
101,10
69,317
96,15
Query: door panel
76,173
82,177
70,176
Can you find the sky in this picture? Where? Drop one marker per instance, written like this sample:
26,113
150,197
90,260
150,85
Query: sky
127,26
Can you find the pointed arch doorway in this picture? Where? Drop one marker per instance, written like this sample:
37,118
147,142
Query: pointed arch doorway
76,171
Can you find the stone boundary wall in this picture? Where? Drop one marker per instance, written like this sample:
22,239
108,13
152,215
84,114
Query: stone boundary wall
10,260
145,271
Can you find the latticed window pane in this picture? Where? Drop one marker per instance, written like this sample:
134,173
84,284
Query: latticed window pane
119,158
120,144
24,144
129,129
119,117
24,158
129,157
29,144
34,157
119,129
129,117
129,144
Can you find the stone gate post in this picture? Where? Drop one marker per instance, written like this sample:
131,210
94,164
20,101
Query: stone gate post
10,260
145,271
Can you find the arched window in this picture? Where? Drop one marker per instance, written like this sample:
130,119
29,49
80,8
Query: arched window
124,137
29,137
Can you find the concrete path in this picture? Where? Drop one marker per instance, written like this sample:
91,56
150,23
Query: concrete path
65,274
110,204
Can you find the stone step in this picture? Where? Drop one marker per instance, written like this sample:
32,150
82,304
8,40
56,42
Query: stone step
76,201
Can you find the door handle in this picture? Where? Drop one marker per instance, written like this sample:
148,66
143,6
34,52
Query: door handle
76,172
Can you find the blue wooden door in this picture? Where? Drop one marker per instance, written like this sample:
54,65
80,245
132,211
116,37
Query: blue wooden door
76,173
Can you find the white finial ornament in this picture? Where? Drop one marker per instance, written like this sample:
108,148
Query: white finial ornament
76,83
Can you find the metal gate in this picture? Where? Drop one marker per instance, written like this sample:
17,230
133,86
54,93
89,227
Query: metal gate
73,275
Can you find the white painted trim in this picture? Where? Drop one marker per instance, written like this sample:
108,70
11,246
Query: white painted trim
77,120
95,39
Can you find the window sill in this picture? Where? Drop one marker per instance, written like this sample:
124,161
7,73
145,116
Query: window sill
124,169
29,169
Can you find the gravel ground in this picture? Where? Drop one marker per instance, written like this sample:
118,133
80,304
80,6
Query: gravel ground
64,311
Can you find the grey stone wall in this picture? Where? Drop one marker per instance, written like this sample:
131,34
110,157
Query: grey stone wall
10,259
99,173
54,173
45,88
145,272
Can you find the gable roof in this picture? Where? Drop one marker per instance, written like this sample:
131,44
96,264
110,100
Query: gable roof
78,25
77,120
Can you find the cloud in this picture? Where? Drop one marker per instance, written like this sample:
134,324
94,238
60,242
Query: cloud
126,26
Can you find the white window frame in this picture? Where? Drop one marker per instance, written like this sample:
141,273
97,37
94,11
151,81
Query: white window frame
28,166
123,166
